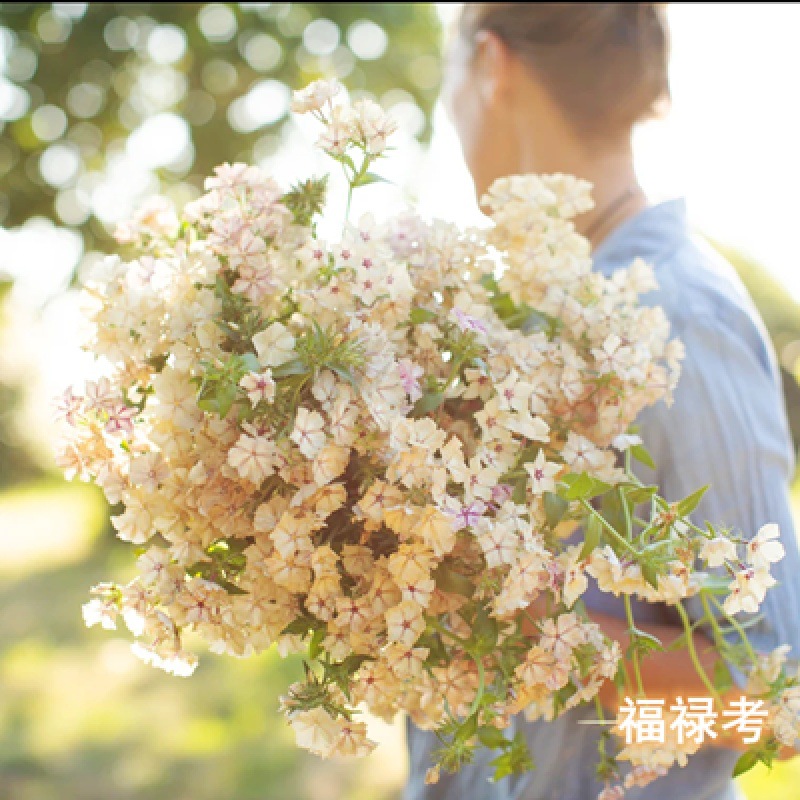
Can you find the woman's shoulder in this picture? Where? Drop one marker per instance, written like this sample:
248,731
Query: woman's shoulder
699,289
696,280
696,283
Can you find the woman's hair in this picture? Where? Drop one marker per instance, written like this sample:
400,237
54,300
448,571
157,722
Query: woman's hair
605,64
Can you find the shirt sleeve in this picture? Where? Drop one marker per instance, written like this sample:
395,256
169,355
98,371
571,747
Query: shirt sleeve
727,429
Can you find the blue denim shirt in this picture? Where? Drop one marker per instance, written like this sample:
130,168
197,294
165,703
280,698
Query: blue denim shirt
727,428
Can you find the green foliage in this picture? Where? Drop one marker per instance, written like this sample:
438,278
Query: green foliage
101,69
765,754
514,761
218,388
17,463
582,486
521,316
306,199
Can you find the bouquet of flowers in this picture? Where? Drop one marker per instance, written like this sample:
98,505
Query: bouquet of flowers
373,451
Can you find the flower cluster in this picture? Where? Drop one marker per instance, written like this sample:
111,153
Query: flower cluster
371,451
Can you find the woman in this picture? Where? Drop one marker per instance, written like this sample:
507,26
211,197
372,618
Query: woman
558,87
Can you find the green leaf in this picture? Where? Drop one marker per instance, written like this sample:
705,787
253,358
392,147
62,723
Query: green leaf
582,486
449,581
225,398
517,759
650,573
746,762
231,588
716,584
342,672
520,492
437,652
640,453
492,737
578,487
645,642
294,367
484,632
592,536
554,508
640,494
561,696
528,454
346,375
612,510
300,626
368,178
723,680
468,728
690,503
429,401
249,362
315,645
419,315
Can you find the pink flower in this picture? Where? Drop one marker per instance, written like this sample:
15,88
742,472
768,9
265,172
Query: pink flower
467,322
410,374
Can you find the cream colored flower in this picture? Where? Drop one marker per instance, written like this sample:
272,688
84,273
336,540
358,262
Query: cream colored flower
259,386
314,96
149,471
404,623
561,635
542,474
715,552
274,346
253,457
309,432
315,730
436,530
747,590
762,550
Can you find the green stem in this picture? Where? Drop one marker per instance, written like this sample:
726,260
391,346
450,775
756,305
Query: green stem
626,510
687,627
632,633
349,201
738,628
718,635
622,542
704,533
437,626
476,703
601,715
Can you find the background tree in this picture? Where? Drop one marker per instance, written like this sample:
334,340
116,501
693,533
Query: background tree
86,88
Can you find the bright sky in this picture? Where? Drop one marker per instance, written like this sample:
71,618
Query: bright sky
730,147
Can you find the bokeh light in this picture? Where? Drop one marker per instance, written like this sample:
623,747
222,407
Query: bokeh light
367,40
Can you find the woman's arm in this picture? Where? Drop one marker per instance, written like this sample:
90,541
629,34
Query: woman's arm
666,675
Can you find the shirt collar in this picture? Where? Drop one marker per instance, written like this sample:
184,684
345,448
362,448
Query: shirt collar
648,235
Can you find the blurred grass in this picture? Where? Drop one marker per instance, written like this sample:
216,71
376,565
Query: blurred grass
82,718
